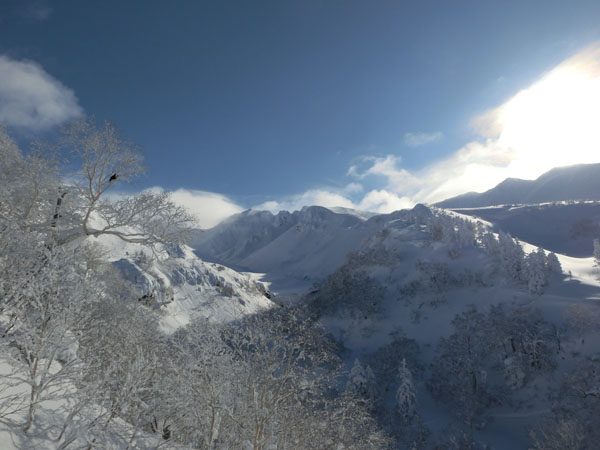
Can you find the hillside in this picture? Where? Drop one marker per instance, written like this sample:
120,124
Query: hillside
566,228
182,287
419,291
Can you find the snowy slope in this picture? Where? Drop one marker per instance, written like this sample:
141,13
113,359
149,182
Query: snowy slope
567,228
180,285
578,182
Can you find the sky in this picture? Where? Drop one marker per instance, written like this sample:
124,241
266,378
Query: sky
373,105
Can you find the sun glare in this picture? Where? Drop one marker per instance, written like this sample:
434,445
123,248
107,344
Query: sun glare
556,121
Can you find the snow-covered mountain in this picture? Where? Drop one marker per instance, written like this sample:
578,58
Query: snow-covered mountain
182,286
304,245
578,182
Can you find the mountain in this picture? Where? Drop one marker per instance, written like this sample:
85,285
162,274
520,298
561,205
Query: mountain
578,182
302,246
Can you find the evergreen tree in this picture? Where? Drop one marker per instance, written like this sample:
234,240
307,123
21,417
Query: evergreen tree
406,399
553,264
597,252
361,381
536,271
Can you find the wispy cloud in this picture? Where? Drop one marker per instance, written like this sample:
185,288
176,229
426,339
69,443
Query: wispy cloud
30,98
37,11
421,139
209,208
381,201
319,197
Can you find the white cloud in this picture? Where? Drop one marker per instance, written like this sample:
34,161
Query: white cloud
318,197
208,207
381,201
420,139
353,188
387,168
33,99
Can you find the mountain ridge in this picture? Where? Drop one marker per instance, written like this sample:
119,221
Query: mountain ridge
576,182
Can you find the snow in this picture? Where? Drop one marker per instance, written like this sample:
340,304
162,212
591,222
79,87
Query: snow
567,228
182,286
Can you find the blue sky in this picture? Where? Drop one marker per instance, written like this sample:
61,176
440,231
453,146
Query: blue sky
283,103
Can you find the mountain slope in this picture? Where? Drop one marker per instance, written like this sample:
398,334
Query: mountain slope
578,182
415,290
304,246
299,245
563,228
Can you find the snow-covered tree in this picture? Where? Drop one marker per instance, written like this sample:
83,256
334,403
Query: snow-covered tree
349,291
512,257
51,282
35,196
465,232
489,243
406,399
558,433
522,343
536,271
458,375
553,264
361,382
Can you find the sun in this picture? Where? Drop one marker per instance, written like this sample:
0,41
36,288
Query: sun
556,121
